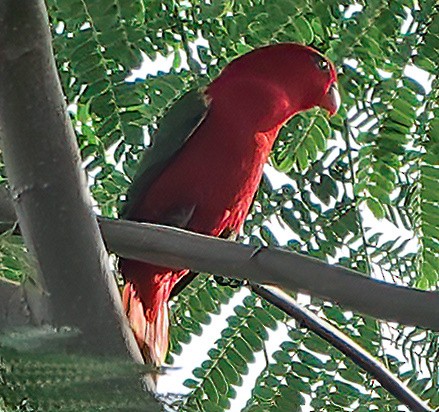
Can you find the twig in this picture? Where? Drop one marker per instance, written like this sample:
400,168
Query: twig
343,343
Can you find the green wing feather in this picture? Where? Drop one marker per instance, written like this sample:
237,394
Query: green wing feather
175,129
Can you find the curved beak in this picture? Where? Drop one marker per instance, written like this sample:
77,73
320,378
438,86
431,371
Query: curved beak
331,100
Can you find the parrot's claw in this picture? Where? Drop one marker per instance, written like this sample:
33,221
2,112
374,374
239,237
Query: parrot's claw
232,283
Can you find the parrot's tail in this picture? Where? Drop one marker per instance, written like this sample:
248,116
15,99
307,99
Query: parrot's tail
145,301
150,329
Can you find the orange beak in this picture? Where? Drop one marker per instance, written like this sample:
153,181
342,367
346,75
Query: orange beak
331,100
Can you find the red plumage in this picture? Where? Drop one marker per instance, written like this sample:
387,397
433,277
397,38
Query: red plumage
209,183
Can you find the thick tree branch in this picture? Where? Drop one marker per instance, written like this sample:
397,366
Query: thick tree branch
177,248
49,189
343,343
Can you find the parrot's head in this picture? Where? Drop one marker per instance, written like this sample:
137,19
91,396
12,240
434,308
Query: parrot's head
317,80
307,78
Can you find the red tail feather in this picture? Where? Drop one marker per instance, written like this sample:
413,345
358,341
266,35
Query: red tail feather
151,332
147,307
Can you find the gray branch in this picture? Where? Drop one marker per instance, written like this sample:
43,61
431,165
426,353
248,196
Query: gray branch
343,343
178,248
75,284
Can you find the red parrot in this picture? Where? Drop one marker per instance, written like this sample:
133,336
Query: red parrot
205,164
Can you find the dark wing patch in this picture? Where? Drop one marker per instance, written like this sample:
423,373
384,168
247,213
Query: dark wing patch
175,129
178,217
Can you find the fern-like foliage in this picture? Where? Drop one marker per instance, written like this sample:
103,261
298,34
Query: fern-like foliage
228,359
192,309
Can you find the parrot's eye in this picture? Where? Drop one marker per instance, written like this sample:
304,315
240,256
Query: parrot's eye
322,64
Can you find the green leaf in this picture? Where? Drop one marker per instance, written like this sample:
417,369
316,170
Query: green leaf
304,30
375,207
